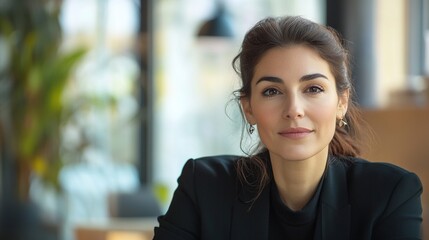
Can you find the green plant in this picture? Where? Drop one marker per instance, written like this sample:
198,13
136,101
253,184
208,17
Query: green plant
33,81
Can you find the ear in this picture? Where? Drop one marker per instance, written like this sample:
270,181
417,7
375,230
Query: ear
247,110
343,103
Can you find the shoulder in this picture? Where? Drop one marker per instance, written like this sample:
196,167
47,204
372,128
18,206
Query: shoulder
210,180
382,195
217,164
380,182
212,165
376,171
210,171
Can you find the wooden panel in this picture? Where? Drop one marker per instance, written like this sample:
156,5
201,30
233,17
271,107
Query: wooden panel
402,137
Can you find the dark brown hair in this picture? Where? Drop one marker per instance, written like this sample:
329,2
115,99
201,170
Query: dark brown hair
284,31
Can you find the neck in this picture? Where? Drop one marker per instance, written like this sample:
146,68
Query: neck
297,180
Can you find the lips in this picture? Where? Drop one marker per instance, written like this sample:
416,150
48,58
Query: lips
296,133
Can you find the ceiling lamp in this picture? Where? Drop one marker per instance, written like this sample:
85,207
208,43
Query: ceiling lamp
218,26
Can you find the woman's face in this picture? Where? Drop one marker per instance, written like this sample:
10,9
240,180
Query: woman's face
294,103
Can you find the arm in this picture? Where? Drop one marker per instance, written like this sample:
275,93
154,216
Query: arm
182,218
402,217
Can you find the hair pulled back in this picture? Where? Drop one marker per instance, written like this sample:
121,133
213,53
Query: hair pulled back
290,30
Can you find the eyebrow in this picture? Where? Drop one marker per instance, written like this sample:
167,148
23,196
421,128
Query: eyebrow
302,79
312,76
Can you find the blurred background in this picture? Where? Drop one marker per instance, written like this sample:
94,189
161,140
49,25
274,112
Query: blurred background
103,101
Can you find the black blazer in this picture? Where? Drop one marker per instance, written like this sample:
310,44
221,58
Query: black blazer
359,200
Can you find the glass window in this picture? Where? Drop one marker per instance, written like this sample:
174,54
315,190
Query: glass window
101,138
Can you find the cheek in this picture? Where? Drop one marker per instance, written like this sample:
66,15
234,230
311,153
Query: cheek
267,112
267,116
325,112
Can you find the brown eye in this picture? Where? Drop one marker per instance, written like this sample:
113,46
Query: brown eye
314,89
270,92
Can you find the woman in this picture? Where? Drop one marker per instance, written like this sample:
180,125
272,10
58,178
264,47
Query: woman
305,180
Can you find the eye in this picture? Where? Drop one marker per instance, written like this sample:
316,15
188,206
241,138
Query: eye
314,89
271,92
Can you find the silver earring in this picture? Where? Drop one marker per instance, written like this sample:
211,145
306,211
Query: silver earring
251,129
342,123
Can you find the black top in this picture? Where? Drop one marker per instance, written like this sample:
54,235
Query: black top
288,224
359,200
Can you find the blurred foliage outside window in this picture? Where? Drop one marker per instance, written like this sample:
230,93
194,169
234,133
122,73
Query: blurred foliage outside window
108,121
35,73
69,111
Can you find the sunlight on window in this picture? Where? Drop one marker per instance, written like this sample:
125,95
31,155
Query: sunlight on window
102,134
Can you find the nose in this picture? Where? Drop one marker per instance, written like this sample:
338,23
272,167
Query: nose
293,108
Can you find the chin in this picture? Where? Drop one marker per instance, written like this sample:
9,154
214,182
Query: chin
299,156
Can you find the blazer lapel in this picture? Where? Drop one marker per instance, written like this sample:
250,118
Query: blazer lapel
250,220
334,216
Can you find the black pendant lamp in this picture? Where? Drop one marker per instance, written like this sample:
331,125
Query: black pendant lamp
218,26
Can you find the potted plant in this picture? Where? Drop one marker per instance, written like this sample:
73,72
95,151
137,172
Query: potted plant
32,82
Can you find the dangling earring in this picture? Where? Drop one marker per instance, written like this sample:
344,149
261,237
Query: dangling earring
251,129
342,123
